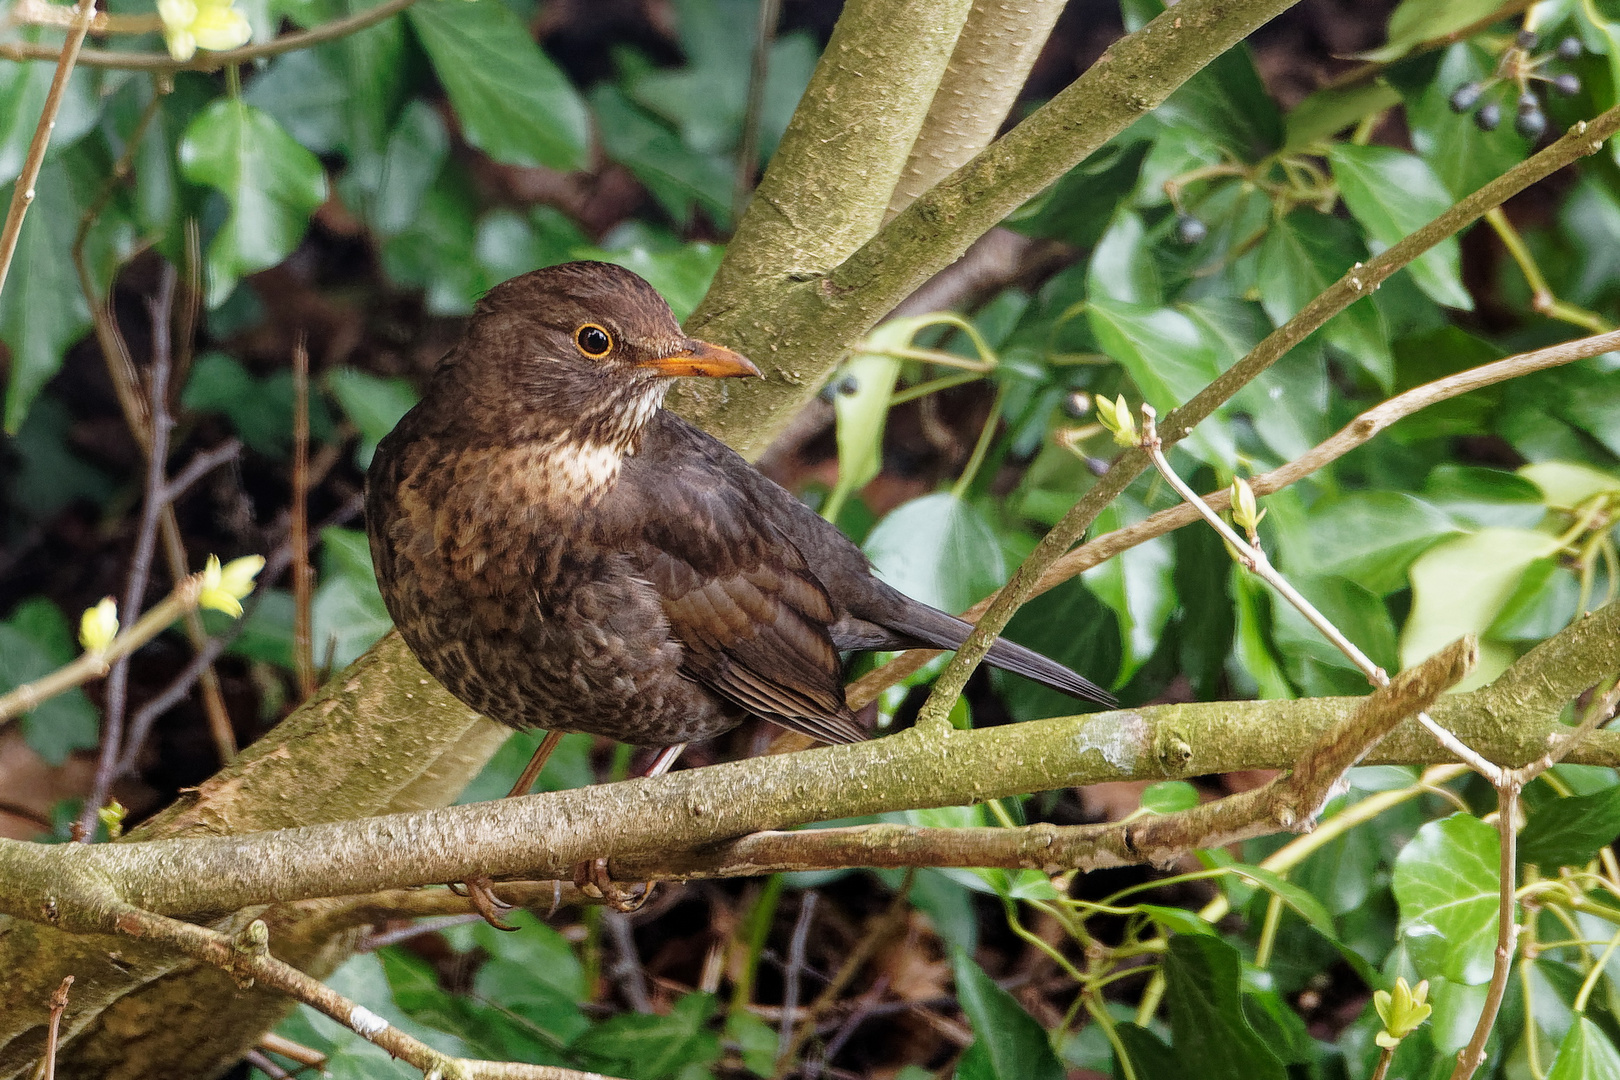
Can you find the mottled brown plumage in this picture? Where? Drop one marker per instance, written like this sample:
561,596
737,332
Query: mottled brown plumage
562,553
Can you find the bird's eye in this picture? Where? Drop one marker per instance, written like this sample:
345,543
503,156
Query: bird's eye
593,341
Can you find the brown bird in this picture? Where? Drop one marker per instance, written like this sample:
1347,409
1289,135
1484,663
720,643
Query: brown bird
562,553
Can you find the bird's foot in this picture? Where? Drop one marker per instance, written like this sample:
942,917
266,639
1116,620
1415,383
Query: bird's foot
594,881
481,891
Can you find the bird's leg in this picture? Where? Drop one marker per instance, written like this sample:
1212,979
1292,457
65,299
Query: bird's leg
592,876
480,888
542,754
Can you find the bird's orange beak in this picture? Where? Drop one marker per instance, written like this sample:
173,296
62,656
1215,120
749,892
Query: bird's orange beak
701,358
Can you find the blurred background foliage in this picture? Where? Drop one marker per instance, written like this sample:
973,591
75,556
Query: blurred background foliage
362,194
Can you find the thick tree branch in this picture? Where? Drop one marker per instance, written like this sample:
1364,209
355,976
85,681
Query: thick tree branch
545,835
770,299
997,47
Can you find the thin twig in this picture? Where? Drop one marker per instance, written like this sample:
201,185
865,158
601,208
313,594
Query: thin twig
1583,138
1509,787
1356,433
303,574
161,423
259,1060
864,1008
748,144
790,978
214,61
201,464
246,956
59,1000
1507,927
373,942
627,969
275,564
88,666
22,194
1254,559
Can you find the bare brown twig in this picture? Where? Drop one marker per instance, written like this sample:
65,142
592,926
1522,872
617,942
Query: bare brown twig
161,423
59,1000
1356,433
246,956
214,61
22,194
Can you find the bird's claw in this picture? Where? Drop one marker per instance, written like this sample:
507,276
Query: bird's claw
480,891
594,881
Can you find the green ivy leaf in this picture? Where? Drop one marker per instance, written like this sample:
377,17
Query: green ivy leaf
1418,21
938,549
1300,257
1570,831
1461,155
1393,193
514,104
1203,989
23,87
648,1047
1461,585
678,176
347,615
1166,357
1327,112
1445,883
273,185
1585,1054
372,403
34,642
1369,537
1010,1045
42,310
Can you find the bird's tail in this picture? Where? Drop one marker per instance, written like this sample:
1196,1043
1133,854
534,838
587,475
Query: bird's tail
932,627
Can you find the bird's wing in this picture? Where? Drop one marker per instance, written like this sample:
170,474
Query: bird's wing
753,618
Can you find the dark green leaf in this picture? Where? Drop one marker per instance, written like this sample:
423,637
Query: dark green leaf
1393,194
1150,1058
938,549
513,103
1445,882
34,642
1461,155
1570,831
42,310
1585,1054
1301,256
23,86
347,614
1327,112
1012,1044
648,1047
1479,497
1418,21
1167,358
1204,993
1169,796
392,184
1078,208
302,92
1227,102
1370,538
272,184
678,176
1122,267
372,404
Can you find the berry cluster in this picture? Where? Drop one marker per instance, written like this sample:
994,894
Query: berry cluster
1521,69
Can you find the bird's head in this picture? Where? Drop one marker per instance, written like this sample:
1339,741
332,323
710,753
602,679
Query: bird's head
585,347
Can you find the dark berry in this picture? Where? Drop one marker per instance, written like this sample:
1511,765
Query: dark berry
1189,230
1531,123
1526,40
1466,96
1489,116
1567,84
849,386
1528,102
1077,404
1570,48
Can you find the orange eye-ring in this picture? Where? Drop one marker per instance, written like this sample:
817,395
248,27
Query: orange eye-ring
593,341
